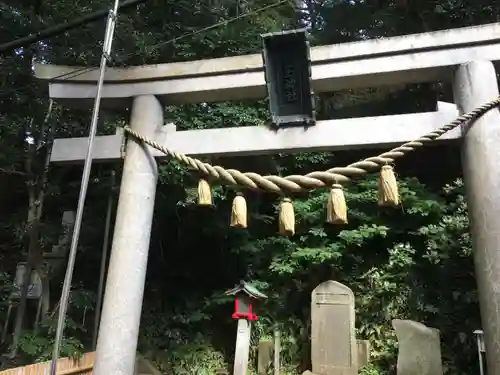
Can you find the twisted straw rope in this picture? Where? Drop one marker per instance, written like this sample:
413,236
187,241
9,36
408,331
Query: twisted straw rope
318,179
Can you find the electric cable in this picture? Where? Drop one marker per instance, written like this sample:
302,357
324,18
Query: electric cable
61,28
83,70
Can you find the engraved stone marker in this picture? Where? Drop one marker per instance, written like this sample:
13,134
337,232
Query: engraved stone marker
333,342
264,356
35,283
363,352
419,348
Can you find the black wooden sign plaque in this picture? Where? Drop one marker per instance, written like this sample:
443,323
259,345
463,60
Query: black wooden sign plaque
287,68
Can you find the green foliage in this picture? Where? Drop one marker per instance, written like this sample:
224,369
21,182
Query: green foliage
389,259
392,259
197,359
371,370
37,346
6,288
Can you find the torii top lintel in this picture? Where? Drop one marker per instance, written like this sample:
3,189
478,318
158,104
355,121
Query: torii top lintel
413,58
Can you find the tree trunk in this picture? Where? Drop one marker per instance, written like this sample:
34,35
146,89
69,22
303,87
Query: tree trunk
36,194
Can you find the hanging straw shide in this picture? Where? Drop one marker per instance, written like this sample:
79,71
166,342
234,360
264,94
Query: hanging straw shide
286,218
336,208
388,192
239,212
204,193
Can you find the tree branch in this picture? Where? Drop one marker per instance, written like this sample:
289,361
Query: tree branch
12,172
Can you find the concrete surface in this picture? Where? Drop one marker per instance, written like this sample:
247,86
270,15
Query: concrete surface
407,59
375,132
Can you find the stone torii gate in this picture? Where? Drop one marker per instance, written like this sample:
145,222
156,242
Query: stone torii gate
461,56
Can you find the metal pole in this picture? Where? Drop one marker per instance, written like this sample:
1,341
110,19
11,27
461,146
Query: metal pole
474,84
108,40
104,257
479,341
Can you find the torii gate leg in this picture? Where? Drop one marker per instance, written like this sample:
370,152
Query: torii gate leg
121,313
474,84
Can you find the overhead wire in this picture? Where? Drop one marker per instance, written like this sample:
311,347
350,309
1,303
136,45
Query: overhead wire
78,72
61,28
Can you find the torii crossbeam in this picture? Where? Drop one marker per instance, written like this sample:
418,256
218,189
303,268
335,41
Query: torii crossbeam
462,57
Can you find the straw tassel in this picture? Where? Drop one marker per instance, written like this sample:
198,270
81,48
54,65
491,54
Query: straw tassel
204,193
388,192
239,212
336,207
286,218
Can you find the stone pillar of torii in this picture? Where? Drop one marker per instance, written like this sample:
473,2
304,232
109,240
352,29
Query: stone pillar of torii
462,57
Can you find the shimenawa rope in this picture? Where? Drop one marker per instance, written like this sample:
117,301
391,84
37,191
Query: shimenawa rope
317,179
